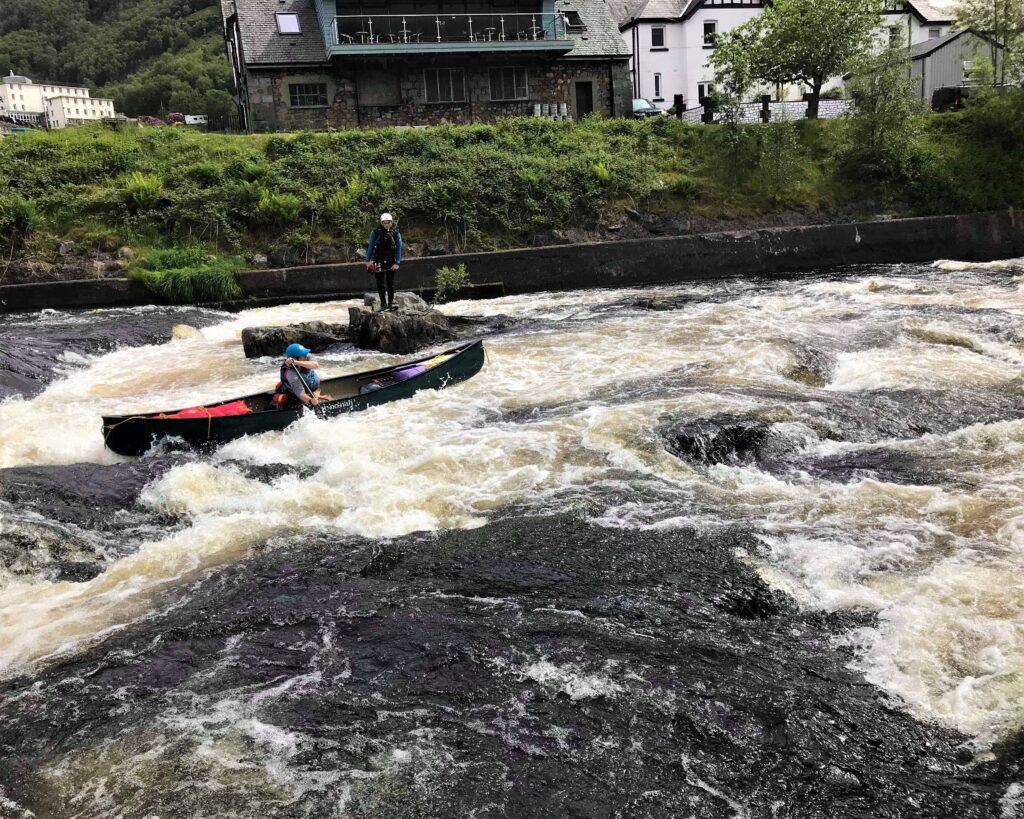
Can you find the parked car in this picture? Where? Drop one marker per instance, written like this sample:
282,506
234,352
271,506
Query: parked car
645,108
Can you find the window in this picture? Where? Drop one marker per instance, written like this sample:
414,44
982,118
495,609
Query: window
934,33
703,90
508,84
308,95
573,21
658,37
710,30
657,87
288,24
895,34
445,85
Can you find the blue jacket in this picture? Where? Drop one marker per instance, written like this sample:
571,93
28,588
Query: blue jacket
373,244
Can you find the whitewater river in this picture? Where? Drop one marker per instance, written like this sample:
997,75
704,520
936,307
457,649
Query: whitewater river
732,549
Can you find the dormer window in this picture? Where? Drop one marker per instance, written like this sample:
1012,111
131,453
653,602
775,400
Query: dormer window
288,24
573,21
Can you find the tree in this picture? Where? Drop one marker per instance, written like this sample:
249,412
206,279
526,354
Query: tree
1002,21
804,41
886,109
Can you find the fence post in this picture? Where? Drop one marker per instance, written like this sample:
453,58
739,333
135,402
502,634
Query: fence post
708,117
677,103
766,110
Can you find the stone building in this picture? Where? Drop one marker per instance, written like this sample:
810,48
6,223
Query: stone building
316,64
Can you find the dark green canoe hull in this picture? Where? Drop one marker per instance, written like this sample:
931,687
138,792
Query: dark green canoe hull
135,435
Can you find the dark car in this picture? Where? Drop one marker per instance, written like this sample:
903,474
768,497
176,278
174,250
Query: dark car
645,108
951,98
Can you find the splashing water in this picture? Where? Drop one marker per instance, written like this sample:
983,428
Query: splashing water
571,407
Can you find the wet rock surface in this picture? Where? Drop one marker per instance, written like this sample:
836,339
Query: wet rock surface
402,331
87,495
318,336
722,439
68,522
35,349
533,667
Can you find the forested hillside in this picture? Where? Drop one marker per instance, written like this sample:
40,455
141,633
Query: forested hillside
151,56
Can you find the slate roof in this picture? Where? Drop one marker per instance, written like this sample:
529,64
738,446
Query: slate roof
929,13
261,42
625,10
923,49
602,37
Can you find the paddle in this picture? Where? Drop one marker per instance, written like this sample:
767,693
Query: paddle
309,392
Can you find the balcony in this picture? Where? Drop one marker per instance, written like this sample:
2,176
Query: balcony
382,34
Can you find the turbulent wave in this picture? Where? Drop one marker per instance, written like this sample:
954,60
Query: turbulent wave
887,478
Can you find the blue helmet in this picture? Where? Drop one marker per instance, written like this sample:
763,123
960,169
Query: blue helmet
296,351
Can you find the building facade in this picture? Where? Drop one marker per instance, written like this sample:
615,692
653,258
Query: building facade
948,61
315,64
50,105
670,41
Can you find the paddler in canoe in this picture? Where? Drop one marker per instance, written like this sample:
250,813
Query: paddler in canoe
299,380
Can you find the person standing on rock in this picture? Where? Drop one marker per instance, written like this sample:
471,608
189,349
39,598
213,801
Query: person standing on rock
383,256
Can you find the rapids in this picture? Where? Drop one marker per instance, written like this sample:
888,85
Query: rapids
886,489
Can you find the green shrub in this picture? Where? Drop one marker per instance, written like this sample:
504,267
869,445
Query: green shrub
601,172
448,280
174,258
207,282
205,173
279,209
19,218
142,191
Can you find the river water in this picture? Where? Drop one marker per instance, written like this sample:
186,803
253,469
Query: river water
881,493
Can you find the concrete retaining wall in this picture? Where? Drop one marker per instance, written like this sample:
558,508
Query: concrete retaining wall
978,237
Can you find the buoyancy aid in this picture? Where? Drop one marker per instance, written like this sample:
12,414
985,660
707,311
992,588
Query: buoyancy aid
309,376
385,247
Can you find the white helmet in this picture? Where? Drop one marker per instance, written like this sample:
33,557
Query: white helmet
386,217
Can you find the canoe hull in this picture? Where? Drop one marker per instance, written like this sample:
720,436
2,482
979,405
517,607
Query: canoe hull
135,435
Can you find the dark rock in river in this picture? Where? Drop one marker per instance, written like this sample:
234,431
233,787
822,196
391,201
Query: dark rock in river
87,495
811,366
258,342
67,522
533,667
401,331
718,440
33,348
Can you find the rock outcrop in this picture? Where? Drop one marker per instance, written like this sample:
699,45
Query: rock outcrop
413,326
271,341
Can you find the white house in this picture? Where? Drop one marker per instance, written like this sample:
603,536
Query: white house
670,41
50,104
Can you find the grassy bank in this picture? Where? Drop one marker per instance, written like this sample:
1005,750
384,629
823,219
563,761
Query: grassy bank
476,187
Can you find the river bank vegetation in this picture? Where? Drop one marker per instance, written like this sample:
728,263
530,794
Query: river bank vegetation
87,192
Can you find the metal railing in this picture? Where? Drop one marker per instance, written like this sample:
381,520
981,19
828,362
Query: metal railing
386,29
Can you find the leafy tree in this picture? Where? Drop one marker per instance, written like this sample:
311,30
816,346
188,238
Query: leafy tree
804,41
1003,22
885,123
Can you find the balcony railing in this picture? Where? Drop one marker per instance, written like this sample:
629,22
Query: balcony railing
404,29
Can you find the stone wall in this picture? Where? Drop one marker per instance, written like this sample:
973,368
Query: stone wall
768,252
350,88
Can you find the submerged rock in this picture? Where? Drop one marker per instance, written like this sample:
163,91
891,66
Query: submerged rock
718,440
34,349
318,336
532,667
67,522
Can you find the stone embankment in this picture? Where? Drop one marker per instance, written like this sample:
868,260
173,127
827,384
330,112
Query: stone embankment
769,252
